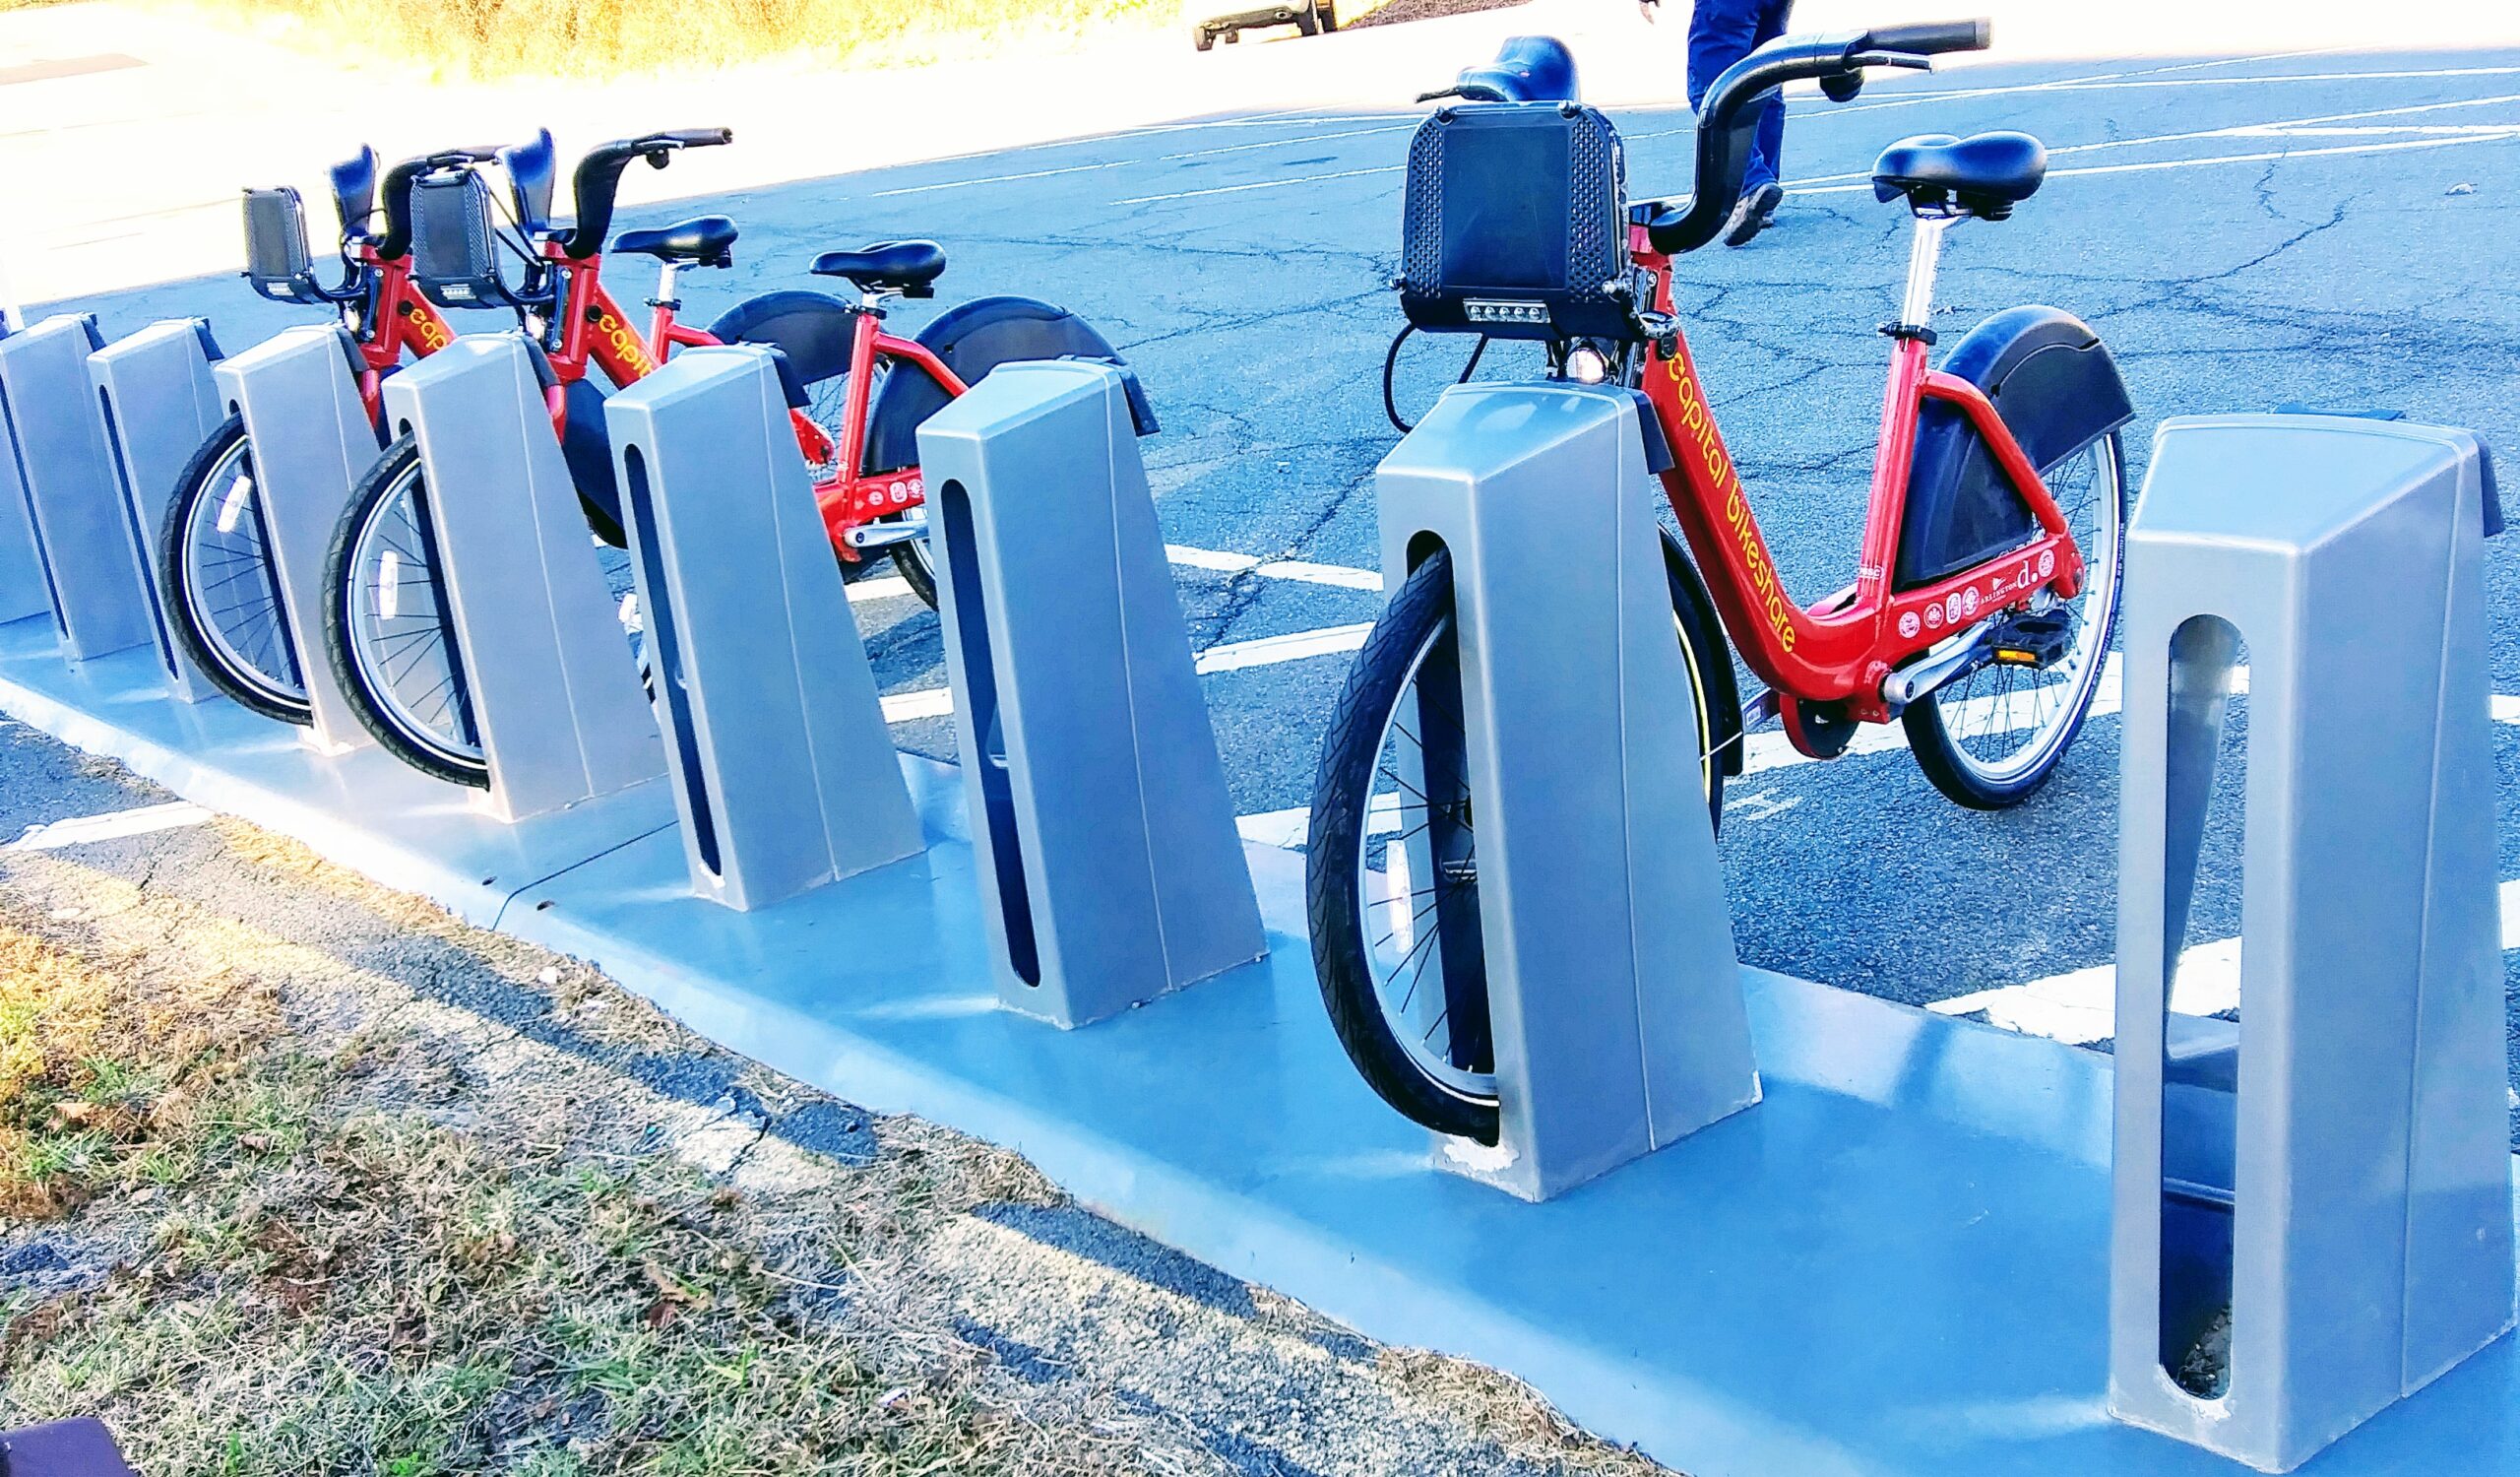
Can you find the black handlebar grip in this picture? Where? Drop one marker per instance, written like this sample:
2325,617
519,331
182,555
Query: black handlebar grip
1927,37
697,138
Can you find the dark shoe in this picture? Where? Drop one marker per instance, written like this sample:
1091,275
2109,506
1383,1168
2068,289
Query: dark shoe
1753,213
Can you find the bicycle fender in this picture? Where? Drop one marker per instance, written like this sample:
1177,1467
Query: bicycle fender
2059,391
816,330
971,340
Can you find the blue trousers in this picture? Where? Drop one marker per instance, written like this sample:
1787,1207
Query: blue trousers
1722,32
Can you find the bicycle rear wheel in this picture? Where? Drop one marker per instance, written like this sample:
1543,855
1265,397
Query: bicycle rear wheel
215,562
1991,738
1392,869
389,630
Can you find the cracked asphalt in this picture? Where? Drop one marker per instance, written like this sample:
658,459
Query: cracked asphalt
2327,230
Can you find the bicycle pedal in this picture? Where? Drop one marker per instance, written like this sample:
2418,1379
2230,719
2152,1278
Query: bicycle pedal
2033,640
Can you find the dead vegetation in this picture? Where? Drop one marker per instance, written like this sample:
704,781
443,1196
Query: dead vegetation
601,37
267,1210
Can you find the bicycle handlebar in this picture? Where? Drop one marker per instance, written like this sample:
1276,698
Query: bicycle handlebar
1728,118
599,179
398,192
1930,38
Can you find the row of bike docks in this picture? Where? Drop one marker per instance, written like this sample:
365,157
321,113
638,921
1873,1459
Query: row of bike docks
2367,1122
1753,1223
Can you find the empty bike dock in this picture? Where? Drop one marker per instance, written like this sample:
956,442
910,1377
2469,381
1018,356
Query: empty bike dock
1755,1225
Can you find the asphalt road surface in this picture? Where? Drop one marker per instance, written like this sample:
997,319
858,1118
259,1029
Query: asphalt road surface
2331,229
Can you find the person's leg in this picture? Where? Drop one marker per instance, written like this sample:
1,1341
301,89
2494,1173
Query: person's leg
1767,153
1721,32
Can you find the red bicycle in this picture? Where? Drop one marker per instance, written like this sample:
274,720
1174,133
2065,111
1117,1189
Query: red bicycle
1985,591
858,395
213,549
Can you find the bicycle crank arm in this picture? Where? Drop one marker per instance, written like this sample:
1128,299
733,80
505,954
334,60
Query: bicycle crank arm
872,536
1969,649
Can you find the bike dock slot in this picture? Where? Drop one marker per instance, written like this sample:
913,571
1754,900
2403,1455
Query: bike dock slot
2329,1176
1614,997
1102,833
311,440
553,684
783,770
90,567
157,402
23,593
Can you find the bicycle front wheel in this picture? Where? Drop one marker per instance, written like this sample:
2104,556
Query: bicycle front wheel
1991,740
390,631
1392,867
223,597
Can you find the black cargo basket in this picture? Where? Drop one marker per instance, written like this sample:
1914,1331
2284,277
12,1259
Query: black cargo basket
456,247
276,261
1514,224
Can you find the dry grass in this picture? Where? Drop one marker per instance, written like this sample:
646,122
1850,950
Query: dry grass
272,1202
314,1270
600,37
97,1069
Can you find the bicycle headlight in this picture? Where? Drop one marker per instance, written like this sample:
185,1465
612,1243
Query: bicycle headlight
1587,365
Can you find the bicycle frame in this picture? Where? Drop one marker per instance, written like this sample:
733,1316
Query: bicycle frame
595,329
1840,649
394,318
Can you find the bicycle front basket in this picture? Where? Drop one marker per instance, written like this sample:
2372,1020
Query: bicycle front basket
276,261
1514,224
456,245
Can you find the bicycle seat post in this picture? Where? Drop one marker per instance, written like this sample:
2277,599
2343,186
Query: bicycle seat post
1924,258
669,288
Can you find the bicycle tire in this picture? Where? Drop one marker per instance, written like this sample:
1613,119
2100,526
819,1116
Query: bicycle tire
1342,824
274,694
1946,761
378,711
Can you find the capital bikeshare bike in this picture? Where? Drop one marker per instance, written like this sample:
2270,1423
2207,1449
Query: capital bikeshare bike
1985,585
214,549
858,395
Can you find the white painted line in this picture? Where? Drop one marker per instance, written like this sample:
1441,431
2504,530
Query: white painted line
934,702
1285,829
140,821
2091,85
1305,138
1288,828
1320,574
878,587
1268,651
2280,128
1303,570
2081,1007
1233,656
2153,166
991,179
1769,750
1211,558
1122,163
1265,184
1913,96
